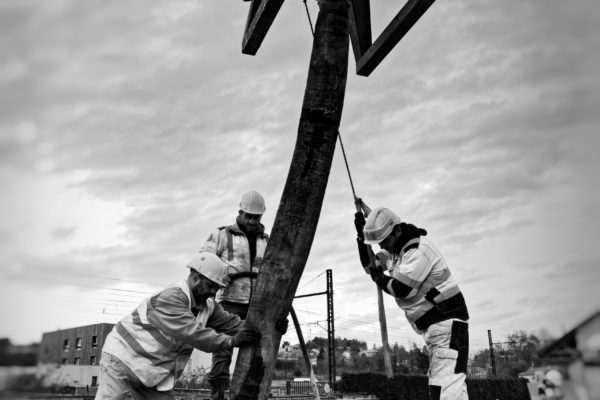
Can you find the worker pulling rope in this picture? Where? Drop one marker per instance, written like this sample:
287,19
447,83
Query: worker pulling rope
367,259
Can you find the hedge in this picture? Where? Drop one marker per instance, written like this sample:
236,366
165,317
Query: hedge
414,387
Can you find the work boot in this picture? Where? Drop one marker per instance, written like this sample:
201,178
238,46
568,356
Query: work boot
217,391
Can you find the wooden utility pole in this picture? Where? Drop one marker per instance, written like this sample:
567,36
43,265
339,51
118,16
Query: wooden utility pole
300,207
387,359
492,357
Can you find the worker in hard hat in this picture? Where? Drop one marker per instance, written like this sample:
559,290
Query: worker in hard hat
148,349
422,285
241,246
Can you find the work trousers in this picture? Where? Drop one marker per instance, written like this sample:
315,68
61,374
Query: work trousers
221,359
118,382
448,347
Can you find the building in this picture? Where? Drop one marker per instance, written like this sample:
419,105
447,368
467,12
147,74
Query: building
75,346
77,351
578,353
289,352
71,356
368,353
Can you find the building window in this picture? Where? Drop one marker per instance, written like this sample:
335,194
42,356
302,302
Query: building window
78,343
76,360
93,360
66,345
94,381
94,342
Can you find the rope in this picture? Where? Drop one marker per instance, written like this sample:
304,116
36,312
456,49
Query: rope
357,201
347,167
360,205
309,20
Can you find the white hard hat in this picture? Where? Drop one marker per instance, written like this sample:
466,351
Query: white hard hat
554,377
379,225
253,203
210,266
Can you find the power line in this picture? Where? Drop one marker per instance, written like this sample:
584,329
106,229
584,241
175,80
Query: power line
307,283
115,279
115,289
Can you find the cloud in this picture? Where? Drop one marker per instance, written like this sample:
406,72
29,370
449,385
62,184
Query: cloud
131,131
63,232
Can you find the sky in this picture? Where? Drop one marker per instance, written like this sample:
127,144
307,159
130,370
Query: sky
129,131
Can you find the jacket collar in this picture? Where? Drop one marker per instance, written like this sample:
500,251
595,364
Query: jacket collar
235,229
411,244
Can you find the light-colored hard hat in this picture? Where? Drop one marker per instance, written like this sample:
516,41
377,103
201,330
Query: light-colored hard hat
379,225
210,266
554,377
253,203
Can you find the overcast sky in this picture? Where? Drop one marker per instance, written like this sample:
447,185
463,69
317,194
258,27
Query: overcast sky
129,130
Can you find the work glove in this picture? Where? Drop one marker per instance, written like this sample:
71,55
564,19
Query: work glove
359,224
281,325
363,253
379,266
246,336
375,271
244,274
381,259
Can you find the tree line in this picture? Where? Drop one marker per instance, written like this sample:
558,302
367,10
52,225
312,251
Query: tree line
515,355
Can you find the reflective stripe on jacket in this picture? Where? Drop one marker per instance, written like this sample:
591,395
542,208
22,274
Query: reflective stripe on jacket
155,341
434,295
231,244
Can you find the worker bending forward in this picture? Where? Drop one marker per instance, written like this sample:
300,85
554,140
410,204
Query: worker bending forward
241,246
424,288
148,349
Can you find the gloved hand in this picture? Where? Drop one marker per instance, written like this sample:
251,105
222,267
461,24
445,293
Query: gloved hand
246,336
359,224
363,253
244,274
281,325
375,270
381,259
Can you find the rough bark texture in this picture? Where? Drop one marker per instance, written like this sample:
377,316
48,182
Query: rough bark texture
300,206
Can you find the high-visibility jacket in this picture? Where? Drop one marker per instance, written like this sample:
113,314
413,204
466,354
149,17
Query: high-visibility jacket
231,245
422,285
156,340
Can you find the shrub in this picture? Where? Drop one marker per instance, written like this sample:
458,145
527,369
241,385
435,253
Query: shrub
411,387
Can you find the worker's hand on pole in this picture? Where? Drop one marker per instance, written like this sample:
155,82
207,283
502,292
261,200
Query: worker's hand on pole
281,325
375,270
246,336
244,274
379,266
